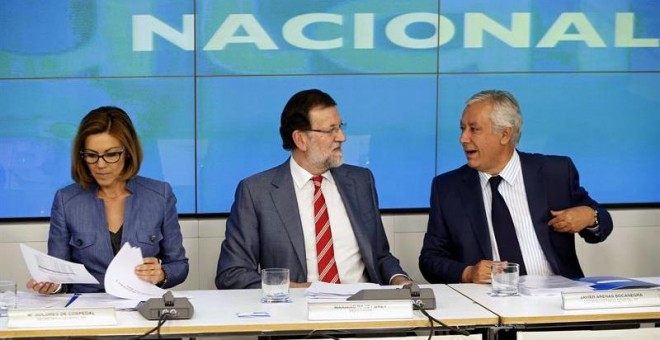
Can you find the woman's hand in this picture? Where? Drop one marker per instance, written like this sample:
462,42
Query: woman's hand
150,270
42,287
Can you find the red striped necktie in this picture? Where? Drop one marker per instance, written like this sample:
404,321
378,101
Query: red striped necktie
325,253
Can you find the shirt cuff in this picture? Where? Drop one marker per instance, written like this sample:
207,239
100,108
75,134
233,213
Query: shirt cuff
594,230
395,275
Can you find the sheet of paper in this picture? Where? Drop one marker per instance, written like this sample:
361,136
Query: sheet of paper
549,285
324,290
46,268
121,280
34,300
94,300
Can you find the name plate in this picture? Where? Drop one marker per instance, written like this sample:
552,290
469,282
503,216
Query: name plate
359,309
611,299
61,317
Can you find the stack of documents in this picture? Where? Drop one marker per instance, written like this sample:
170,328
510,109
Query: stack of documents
549,285
324,290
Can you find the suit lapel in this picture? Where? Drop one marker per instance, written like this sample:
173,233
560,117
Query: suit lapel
286,204
537,199
473,201
105,245
347,189
131,211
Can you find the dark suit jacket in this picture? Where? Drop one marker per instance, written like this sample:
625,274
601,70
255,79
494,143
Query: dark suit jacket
264,228
79,233
457,234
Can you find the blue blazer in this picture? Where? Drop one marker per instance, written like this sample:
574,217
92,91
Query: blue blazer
457,234
79,230
264,228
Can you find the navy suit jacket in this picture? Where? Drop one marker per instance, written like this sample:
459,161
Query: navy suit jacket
457,234
264,228
79,230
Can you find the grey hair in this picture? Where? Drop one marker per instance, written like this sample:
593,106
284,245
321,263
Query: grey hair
506,112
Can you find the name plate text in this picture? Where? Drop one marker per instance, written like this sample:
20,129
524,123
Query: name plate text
61,317
611,299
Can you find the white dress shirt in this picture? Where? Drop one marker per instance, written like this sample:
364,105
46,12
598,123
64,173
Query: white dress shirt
347,251
512,189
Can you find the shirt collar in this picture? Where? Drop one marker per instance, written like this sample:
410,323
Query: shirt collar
509,174
302,176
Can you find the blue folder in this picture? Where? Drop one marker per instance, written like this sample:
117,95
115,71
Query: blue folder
616,282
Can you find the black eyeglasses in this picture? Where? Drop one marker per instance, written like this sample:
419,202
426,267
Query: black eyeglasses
331,131
108,157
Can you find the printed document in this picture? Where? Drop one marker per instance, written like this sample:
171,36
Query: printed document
34,300
549,285
46,268
324,290
121,280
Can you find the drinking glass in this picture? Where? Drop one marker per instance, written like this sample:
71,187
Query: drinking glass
7,296
275,285
504,278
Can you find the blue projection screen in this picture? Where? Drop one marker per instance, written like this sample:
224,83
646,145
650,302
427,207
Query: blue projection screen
205,83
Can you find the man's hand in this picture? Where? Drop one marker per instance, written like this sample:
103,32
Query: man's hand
299,284
572,220
400,280
479,273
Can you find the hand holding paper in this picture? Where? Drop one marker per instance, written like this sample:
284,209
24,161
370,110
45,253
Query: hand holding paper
120,277
121,280
150,270
46,268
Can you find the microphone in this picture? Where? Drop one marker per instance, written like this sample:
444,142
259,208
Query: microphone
423,298
174,308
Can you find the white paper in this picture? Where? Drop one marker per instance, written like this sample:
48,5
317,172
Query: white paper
95,300
324,290
121,280
34,300
46,268
537,285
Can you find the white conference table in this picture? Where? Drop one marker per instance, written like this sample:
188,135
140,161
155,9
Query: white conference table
525,311
215,314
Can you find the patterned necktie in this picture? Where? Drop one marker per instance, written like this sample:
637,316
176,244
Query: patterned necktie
324,250
505,232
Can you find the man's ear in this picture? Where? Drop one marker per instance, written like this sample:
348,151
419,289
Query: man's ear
507,134
300,139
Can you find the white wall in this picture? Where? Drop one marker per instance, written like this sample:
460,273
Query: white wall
631,250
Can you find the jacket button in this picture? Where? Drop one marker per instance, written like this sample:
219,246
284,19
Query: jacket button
152,238
79,242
